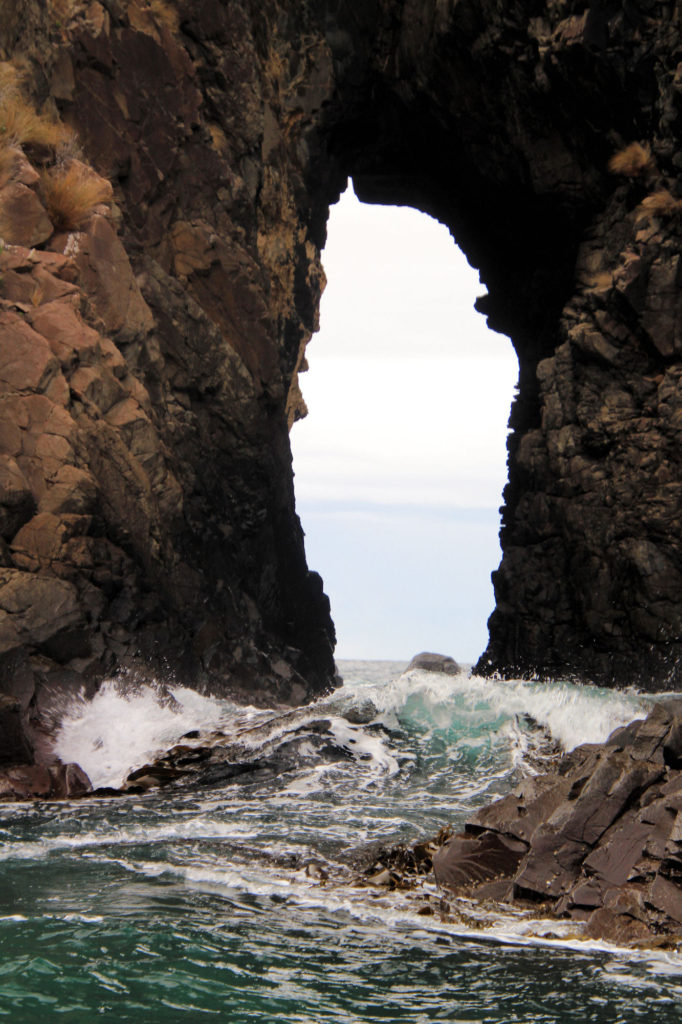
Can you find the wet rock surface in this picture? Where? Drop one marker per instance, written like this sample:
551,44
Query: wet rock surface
429,662
256,754
22,782
597,839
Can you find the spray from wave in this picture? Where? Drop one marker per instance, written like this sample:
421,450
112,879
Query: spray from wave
124,726
467,704
127,725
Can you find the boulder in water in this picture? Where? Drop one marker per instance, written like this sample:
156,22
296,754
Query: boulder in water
428,662
597,839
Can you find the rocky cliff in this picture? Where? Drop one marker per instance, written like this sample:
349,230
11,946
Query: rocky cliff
152,340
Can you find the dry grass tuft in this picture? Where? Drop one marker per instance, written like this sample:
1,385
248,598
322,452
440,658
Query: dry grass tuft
632,161
71,194
21,125
659,204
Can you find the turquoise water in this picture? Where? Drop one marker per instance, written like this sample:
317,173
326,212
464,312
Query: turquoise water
199,903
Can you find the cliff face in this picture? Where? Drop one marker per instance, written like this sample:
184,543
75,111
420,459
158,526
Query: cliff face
149,497
150,358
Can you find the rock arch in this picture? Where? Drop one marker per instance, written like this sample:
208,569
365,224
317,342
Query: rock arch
227,127
502,125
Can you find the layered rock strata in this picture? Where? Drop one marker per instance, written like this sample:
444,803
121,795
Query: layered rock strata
151,355
598,839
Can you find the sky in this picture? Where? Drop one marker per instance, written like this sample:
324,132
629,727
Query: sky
400,464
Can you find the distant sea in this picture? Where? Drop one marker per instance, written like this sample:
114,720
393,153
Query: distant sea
227,902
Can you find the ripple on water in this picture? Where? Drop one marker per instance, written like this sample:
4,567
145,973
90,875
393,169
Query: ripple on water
187,905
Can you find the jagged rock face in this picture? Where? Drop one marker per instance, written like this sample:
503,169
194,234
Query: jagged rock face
147,470
597,838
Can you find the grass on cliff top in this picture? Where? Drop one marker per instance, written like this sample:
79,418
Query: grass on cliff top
71,194
69,189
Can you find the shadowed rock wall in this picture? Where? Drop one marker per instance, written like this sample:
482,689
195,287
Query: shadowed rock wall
148,495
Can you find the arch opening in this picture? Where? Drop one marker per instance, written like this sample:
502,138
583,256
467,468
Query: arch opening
400,465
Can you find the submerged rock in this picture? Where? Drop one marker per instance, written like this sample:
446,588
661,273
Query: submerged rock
597,839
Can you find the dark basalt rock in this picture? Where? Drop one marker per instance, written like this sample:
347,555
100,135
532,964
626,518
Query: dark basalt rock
275,747
428,662
15,745
149,363
598,839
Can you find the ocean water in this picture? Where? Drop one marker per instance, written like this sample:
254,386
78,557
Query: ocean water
233,900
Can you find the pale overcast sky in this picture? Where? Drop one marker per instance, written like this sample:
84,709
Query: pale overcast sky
400,463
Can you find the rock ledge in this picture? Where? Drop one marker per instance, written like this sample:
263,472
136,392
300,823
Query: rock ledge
598,839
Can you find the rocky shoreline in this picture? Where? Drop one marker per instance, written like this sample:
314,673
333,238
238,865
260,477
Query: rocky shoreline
596,840
154,331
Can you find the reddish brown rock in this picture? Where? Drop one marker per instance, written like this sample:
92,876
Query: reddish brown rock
23,219
466,862
42,782
71,340
17,503
179,319
42,542
26,362
106,277
620,929
69,781
38,607
27,782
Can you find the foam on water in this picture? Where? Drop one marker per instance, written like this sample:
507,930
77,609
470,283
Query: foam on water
125,726
467,920
205,829
243,897
122,728
572,713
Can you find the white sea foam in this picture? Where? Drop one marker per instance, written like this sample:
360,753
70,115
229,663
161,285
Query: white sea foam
82,842
364,747
399,912
123,728
572,713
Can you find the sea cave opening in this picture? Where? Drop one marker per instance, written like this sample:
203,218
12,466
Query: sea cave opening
400,464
